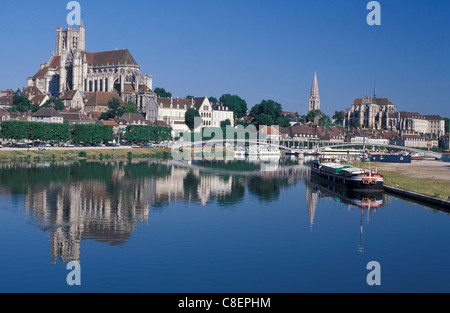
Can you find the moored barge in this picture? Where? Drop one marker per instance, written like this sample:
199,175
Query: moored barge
348,177
391,158
445,157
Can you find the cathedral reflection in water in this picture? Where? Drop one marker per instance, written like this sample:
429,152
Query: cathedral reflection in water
106,202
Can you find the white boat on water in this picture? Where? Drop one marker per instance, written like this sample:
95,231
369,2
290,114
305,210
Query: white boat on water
258,150
240,153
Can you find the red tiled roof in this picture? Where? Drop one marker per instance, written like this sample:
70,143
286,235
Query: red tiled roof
165,102
38,99
109,123
47,112
54,63
41,73
379,101
114,57
101,98
69,95
32,90
433,117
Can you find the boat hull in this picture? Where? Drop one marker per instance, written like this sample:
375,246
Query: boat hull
362,199
350,183
390,158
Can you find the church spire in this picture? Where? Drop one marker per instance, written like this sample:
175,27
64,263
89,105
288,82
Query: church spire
315,86
375,91
314,98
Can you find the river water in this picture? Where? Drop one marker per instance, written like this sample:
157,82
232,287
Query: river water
168,227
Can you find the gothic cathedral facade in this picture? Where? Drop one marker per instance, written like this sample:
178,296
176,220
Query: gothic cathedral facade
72,68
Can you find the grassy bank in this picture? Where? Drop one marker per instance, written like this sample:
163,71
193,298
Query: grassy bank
437,189
33,156
415,178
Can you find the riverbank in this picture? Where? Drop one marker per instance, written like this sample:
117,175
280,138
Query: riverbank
425,177
74,154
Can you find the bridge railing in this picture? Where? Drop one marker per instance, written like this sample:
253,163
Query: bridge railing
276,144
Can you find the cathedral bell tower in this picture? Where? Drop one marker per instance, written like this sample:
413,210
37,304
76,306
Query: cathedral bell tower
70,43
70,39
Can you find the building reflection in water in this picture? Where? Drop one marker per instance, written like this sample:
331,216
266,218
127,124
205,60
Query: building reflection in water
106,202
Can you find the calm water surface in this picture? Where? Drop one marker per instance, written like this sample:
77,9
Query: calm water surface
173,227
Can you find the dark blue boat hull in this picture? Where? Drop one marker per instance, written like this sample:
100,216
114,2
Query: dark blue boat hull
390,158
446,157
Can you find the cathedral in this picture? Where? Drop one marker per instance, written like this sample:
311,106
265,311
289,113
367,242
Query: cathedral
72,68
372,113
381,114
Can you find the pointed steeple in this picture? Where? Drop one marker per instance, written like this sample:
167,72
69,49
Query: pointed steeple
315,86
375,91
314,98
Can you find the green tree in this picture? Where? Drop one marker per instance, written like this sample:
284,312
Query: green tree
225,123
58,104
447,125
242,123
145,133
161,92
35,107
115,110
130,107
213,100
339,117
190,118
15,130
235,103
268,112
263,119
114,107
21,103
283,121
312,115
95,133
325,121
19,130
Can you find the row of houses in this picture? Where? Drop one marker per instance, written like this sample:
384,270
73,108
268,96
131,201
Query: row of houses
160,111
308,132
167,110
50,115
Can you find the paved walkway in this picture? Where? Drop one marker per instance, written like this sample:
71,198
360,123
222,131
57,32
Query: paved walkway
435,170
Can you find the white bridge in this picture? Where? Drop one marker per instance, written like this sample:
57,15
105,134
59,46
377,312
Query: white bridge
431,154
316,146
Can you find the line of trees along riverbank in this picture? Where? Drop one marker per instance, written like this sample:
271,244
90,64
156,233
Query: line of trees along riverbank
93,133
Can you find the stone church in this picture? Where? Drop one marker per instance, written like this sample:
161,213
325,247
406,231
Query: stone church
372,113
72,68
381,114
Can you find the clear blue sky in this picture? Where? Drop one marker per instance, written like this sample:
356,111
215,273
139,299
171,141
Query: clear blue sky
253,48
